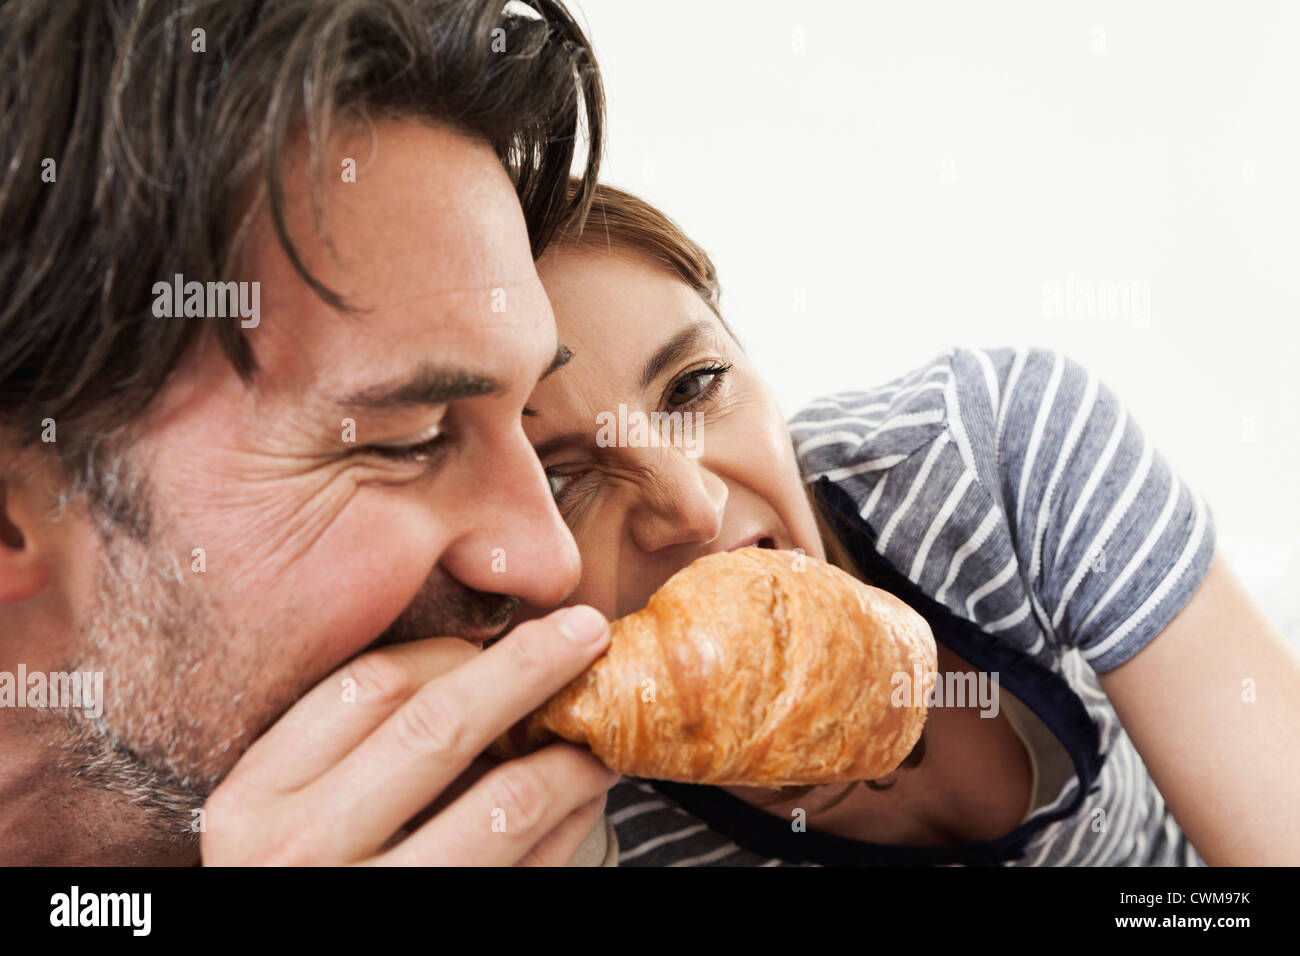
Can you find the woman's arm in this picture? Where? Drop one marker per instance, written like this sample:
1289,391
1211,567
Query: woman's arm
1213,706
1062,528
1120,557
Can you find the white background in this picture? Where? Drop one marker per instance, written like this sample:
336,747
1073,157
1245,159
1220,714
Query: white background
918,175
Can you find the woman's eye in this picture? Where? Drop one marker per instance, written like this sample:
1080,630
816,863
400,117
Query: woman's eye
558,483
691,385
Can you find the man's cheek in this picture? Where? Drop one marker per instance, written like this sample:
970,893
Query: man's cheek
358,576
243,531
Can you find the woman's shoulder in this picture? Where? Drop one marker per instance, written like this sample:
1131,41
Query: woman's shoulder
875,427
963,390
916,383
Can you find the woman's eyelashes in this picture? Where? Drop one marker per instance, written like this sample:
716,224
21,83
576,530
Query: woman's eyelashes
696,387
571,491
689,391
573,482
558,483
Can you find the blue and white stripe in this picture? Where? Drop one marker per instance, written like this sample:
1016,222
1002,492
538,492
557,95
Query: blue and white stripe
1015,488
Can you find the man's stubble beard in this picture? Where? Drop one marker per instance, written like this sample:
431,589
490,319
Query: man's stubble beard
178,708
167,664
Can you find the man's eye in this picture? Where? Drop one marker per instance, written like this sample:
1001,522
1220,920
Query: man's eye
419,452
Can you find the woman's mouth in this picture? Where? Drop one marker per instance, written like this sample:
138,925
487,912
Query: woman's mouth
758,540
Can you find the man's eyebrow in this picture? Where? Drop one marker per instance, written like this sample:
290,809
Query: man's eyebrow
429,385
681,342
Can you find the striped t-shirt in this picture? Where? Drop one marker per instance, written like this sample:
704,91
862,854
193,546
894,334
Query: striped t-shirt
1013,488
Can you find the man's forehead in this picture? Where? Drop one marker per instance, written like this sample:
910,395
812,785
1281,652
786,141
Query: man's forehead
422,198
428,249
302,341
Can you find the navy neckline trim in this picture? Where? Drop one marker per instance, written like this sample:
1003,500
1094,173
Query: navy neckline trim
1045,692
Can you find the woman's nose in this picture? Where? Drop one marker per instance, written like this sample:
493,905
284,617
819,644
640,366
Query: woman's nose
683,503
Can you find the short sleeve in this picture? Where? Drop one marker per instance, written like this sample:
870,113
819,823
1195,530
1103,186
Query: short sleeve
1109,540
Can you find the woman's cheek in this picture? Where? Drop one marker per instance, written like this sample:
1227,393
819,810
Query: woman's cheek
750,440
598,536
755,448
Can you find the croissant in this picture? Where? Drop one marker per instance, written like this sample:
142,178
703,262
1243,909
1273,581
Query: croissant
752,667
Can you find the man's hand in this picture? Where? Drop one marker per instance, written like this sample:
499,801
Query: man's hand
333,782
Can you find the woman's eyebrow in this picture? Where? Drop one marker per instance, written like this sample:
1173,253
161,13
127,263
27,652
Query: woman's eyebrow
570,439
563,356
679,343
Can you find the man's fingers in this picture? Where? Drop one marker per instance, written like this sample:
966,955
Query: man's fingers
504,818
342,710
477,770
429,740
560,845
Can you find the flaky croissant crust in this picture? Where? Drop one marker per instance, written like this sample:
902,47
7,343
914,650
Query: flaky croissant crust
750,668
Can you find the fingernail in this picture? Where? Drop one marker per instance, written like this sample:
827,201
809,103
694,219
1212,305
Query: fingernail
581,624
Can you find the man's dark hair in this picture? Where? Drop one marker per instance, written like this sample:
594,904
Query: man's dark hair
162,155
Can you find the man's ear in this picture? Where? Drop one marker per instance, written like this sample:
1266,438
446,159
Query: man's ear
24,563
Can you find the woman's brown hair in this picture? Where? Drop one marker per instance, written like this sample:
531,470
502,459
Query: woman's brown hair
620,220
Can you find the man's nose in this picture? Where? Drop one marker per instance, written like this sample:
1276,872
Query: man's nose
683,502
518,543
